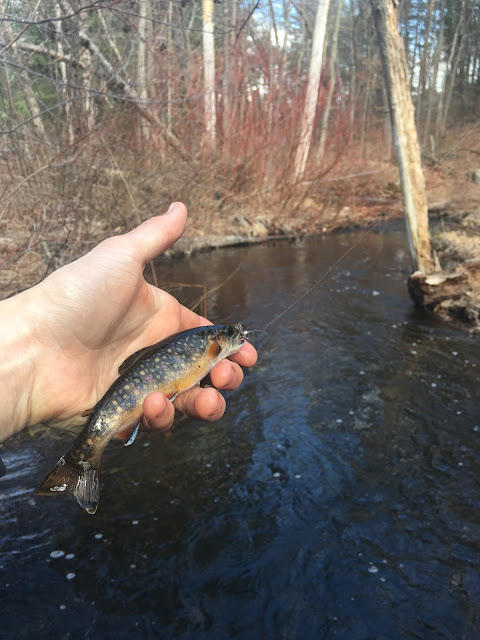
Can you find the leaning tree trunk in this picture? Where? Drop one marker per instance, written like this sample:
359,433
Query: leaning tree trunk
412,181
312,89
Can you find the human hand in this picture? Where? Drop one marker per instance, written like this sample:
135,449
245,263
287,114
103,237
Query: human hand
93,313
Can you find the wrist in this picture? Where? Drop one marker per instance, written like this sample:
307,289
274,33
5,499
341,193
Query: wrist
21,354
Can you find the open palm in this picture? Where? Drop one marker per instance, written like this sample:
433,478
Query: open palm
98,310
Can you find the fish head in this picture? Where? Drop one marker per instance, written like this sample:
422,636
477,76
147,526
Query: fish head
229,338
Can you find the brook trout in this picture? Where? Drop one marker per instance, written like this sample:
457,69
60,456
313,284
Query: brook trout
171,366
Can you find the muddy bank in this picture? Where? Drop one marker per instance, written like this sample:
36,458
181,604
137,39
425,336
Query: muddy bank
242,229
454,234
26,259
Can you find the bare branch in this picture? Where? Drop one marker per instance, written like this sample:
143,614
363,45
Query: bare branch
95,6
46,51
38,115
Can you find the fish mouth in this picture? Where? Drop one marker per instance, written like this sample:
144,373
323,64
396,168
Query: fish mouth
240,334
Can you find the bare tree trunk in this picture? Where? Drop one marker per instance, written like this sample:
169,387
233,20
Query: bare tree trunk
142,65
353,77
413,58
273,58
227,74
449,70
190,27
365,109
432,88
209,74
30,98
395,70
110,40
312,90
387,126
332,80
423,62
453,70
300,7
86,60
169,67
282,57
63,74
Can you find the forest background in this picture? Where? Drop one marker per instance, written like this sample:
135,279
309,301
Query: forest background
111,110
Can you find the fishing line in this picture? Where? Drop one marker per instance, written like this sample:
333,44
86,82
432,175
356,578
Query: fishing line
355,244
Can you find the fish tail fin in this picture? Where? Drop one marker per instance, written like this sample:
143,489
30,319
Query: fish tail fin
75,477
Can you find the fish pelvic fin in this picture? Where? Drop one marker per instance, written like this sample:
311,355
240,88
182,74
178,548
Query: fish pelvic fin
77,478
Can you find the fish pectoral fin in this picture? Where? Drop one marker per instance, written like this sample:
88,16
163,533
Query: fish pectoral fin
129,434
133,435
172,398
87,412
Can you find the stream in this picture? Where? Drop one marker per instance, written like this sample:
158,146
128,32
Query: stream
337,498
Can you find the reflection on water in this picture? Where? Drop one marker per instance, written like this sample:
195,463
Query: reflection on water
337,498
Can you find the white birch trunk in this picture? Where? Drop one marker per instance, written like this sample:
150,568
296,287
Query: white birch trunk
209,74
312,90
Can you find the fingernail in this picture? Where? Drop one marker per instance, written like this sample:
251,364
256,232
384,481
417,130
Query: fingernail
173,207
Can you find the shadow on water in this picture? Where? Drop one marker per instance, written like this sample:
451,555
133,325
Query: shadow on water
338,497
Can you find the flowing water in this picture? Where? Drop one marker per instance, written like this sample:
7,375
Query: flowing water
337,498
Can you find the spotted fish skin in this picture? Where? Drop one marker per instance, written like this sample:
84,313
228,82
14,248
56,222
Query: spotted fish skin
171,367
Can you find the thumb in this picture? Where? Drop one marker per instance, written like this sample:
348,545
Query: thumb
156,235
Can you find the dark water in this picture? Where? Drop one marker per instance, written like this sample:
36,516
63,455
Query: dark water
339,497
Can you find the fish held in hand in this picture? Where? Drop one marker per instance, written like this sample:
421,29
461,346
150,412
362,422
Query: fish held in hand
171,366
